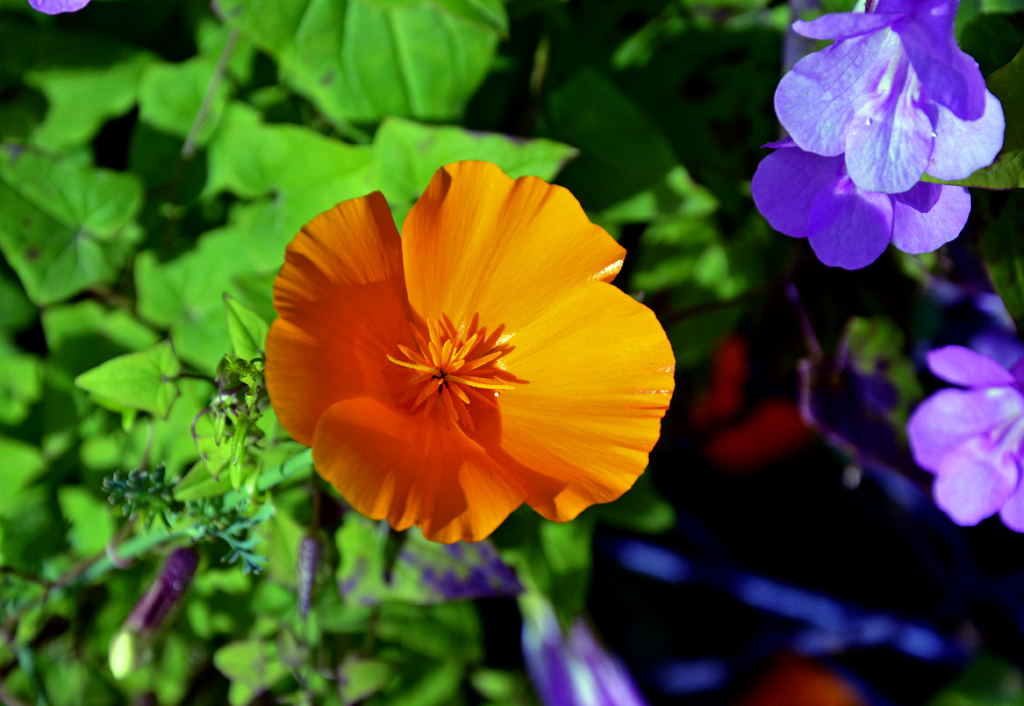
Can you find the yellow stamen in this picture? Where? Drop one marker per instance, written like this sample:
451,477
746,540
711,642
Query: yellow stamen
446,354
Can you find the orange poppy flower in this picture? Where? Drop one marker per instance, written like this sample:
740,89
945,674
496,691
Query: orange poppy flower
479,361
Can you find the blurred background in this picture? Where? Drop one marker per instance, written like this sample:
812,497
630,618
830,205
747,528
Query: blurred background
781,549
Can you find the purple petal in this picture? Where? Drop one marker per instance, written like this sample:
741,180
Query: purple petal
922,197
784,143
975,480
962,366
54,7
894,7
915,232
844,25
950,417
785,184
950,77
615,686
848,227
962,147
890,138
817,100
1012,513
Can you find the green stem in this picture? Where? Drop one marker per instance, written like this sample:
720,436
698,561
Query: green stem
299,462
137,546
128,550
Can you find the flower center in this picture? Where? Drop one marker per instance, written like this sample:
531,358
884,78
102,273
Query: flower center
454,366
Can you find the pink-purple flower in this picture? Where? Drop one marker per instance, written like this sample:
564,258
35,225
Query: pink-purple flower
972,438
54,7
805,195
572,670
894,94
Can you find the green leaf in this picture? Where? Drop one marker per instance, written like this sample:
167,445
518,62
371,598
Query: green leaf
989,681
253,664
16,311
250,159
1003,250
363,677
450,632
143,380
31,528
63,225
82,335
424,572
364,59
640,509
21,112
21,462
406,154
170,97
91,524
86,80
247,329
20,386
992,41
186,294
199,484
622,153
1007,172
303,171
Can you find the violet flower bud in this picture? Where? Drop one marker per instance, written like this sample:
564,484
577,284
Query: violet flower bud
131,645
311,552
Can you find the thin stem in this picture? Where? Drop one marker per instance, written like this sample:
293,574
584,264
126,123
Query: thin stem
299,462
192,140
804,322
541,60
130,549
188,149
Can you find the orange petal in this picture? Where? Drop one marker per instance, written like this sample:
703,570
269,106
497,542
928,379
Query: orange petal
598,372
343,307
390,464
477,241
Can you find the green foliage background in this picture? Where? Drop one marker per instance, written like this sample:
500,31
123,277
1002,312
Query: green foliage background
156,158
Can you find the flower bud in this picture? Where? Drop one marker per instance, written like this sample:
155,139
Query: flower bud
131,646
311,552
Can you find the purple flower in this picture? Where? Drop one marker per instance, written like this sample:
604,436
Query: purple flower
576,671
805,195
894,94
972,439
55,7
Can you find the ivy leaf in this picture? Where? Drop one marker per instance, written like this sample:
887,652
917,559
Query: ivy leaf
247,329
406,154
1003,249
364,59
250,158
170,96
85,79
253,666
20,386
143,380
63,225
